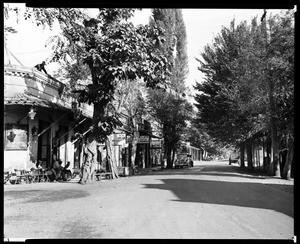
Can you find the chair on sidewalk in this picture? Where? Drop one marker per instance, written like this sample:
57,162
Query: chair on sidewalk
99,174
76,171
121,171
19,176
6,176
38,175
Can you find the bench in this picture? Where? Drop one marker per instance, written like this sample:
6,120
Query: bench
107,175
121,171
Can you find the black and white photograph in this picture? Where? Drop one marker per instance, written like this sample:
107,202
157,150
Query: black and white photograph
148,123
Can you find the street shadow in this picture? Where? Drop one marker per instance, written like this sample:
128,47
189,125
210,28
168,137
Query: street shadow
252,195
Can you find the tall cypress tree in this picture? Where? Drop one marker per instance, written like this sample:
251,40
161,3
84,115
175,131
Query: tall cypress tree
172,110
180,68
174,48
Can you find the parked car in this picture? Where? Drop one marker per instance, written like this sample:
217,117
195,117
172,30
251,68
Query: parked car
208,158
233,159
183,160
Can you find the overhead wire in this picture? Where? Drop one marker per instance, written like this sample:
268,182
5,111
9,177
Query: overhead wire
8,53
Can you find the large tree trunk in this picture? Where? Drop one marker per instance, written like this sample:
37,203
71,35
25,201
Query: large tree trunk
89,163
134,142
81,158
90,149
168,156
249,155
283,159
264,155
274,169
242,155
111,159
268,151
286,173
173,155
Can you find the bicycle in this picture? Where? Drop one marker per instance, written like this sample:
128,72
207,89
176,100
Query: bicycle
135,169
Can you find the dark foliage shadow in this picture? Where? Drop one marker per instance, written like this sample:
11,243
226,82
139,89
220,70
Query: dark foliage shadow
253,195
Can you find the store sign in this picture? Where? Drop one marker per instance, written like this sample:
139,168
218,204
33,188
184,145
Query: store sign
16,137
143,139
129,139
121,136
155,144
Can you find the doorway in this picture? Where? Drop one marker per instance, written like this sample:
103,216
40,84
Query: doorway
44,144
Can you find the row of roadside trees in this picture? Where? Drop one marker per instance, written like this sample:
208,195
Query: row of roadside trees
247,98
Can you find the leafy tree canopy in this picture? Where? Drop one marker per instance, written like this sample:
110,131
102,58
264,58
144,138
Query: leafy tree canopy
109,49
233,99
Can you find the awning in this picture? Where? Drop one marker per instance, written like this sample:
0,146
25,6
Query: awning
151,135
26,99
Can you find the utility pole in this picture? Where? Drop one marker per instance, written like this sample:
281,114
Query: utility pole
274,168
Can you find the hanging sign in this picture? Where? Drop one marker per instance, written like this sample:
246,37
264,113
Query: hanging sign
129,139
143,139
120,135
156,144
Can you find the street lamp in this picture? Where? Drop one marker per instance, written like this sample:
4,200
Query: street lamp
31,113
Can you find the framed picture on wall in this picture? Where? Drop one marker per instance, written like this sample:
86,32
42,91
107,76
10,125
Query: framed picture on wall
16,137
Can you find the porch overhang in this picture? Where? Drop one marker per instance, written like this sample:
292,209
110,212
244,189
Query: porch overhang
30,100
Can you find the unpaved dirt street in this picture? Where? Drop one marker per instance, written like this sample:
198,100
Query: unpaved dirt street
212,200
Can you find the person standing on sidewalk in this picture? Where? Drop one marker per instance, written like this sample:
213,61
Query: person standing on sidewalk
56,168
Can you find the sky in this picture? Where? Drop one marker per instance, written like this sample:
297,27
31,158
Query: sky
202,25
